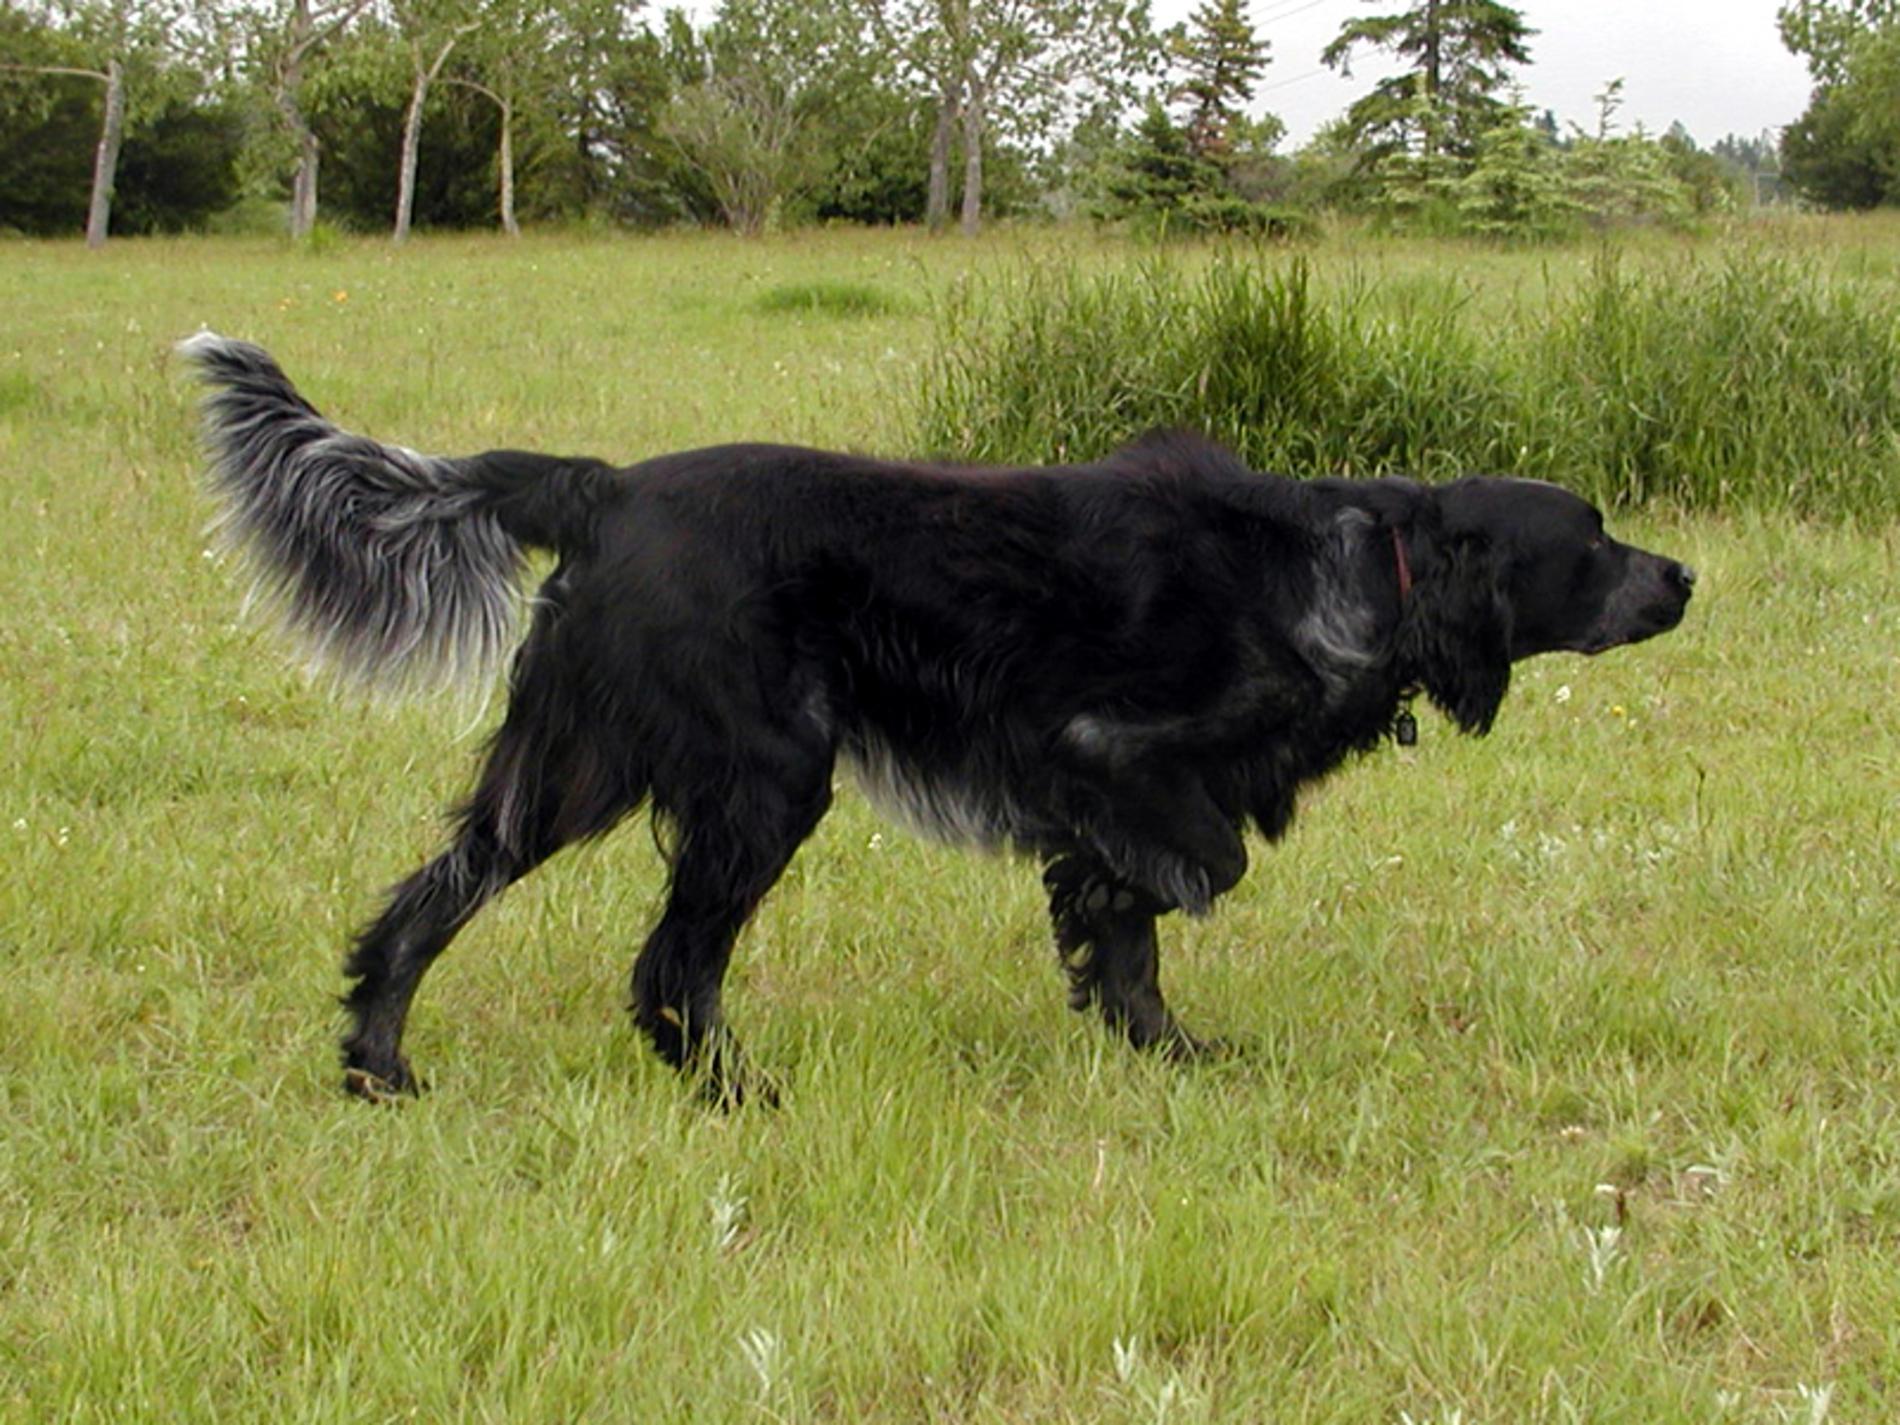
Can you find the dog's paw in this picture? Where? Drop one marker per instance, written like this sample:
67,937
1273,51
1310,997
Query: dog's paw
1180,1047
391,1086
729,1086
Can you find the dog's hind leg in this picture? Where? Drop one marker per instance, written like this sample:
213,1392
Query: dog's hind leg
538,792
422,915
735,838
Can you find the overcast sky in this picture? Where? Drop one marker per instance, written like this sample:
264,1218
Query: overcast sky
1717,65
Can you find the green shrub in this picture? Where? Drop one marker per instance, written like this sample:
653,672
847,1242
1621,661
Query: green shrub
830,299
1230,213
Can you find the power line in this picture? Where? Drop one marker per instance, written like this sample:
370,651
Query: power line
1283,14
1296,79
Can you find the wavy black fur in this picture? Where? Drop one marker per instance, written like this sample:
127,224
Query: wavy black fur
1117,668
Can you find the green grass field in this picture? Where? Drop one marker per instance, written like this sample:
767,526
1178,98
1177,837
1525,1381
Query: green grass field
1568,1085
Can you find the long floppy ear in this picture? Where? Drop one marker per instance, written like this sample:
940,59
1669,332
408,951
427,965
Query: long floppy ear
1455,636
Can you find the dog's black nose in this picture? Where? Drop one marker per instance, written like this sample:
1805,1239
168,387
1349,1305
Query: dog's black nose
1684,576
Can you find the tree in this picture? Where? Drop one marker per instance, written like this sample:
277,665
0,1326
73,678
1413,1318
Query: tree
1459,53
105,164
610,82
101,38
933,42
358,111
1332,169
1845,150
1010,69
1712,184
1622,178
291,37
1825,31
1417,183
47,125
510,56
879,176
173,162
1827,160
1220,59
1159,172
1158,183
762,123
1516,184
431,31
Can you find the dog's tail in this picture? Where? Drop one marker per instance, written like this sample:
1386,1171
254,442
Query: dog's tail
396,571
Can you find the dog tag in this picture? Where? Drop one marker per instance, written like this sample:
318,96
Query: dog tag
1405,728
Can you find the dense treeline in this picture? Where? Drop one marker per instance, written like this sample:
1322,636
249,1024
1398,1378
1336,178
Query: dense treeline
161,115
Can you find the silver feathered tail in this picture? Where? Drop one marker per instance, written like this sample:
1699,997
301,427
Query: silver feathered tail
385,565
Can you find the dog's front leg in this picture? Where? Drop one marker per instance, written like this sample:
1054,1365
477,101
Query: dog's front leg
1105,934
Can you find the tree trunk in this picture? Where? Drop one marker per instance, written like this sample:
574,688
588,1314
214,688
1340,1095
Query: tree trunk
406,168
105,163
508,223
105,158
303,179
303,184
412,135
505,156
937,201
972,157
952,61
303,34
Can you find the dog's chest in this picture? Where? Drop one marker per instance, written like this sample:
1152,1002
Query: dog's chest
1340,638
953,803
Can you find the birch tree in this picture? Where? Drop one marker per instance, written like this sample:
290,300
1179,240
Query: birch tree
430,32
511,55
292,37
1011,68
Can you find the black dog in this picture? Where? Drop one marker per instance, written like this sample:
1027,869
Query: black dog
1115,667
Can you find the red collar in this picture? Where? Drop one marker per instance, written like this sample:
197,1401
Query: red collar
1405,566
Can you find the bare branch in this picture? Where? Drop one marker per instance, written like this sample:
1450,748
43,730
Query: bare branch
97,74
479,88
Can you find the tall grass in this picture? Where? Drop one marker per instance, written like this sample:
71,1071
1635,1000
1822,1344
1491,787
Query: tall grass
1732,379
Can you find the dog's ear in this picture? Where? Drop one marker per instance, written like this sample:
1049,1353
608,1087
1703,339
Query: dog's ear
1455,634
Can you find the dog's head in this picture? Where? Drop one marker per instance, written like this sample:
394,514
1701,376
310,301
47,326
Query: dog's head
1512,568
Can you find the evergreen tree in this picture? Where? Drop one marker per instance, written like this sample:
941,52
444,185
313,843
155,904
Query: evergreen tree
1221,59
1516,186
1159,173
1459,52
